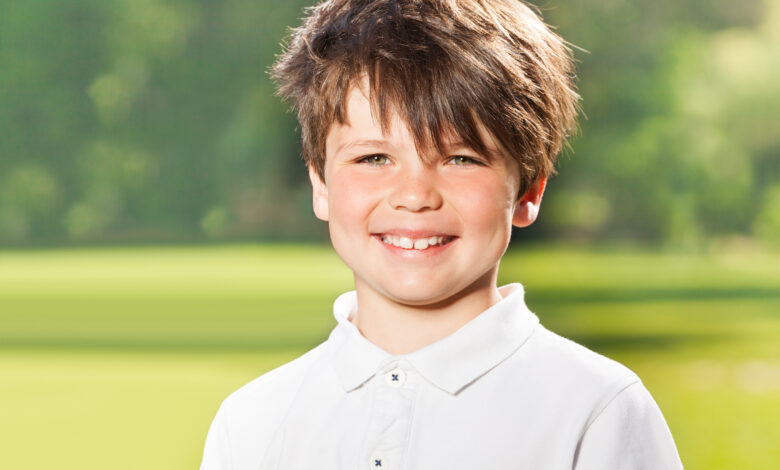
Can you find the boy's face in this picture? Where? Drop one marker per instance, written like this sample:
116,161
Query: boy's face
453,217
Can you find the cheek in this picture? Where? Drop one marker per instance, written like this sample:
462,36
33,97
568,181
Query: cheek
351,197
486,203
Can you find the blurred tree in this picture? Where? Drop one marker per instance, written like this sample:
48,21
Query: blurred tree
680,141
156,120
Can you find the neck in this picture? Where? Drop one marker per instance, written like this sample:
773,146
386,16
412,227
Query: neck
400,328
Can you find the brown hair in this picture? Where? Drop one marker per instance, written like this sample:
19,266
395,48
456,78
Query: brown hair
444,66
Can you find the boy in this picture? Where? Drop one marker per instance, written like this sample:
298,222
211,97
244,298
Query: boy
429,128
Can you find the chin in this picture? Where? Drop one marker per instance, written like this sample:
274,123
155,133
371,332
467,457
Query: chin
417,295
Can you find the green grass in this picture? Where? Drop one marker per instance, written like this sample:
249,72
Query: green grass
118,358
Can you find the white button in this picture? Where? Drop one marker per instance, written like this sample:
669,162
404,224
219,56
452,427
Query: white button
395,378
378,462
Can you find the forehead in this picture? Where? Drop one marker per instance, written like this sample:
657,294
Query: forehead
362,125
365,127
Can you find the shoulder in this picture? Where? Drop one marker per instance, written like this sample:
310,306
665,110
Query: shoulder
629,432
623,426
269,392
606,407
571,374
248,419
578,362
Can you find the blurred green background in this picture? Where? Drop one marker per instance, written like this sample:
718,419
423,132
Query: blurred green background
157,247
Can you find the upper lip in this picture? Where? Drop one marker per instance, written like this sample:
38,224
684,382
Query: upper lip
414,233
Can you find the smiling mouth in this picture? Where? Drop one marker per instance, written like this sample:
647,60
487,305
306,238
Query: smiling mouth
418,244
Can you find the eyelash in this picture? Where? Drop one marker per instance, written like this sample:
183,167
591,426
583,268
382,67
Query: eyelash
471,160
368,159
466,160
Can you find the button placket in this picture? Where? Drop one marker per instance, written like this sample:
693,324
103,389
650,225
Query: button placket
388,429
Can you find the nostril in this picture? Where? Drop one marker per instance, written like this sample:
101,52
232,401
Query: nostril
415,197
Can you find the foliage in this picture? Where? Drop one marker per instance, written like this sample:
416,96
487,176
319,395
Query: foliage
156,120
680,142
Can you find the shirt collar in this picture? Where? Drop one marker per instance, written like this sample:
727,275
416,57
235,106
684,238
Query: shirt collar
356,359
450,363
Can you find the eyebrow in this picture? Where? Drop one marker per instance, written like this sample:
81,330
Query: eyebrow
492,153
361,143
453,146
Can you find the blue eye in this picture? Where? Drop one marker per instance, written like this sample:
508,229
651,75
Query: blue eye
374,160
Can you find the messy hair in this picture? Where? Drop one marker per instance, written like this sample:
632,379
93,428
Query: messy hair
445,66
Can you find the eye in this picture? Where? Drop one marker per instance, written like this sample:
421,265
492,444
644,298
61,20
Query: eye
374,160
463,160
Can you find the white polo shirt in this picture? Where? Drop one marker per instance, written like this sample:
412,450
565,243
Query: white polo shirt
500,393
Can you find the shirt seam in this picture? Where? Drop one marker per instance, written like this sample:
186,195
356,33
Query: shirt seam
608,403
412,422
227,434
364,450
288,410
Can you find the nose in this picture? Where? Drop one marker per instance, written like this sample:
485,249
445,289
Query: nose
416,190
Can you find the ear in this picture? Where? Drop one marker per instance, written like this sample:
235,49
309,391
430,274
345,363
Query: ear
319,193
527,208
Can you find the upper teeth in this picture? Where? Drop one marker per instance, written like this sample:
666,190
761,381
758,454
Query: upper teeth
416,243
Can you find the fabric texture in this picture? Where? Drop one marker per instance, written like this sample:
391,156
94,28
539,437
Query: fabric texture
502,392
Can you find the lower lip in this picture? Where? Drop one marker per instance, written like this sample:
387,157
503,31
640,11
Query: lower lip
412,253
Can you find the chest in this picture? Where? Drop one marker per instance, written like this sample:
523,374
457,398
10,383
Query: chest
399,421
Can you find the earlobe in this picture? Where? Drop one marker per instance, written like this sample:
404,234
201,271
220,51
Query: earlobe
319,195
527,208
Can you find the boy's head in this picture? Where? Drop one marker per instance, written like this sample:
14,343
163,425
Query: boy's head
429,128
445,66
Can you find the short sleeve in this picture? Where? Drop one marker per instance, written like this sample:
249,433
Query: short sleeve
216,454
629,434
